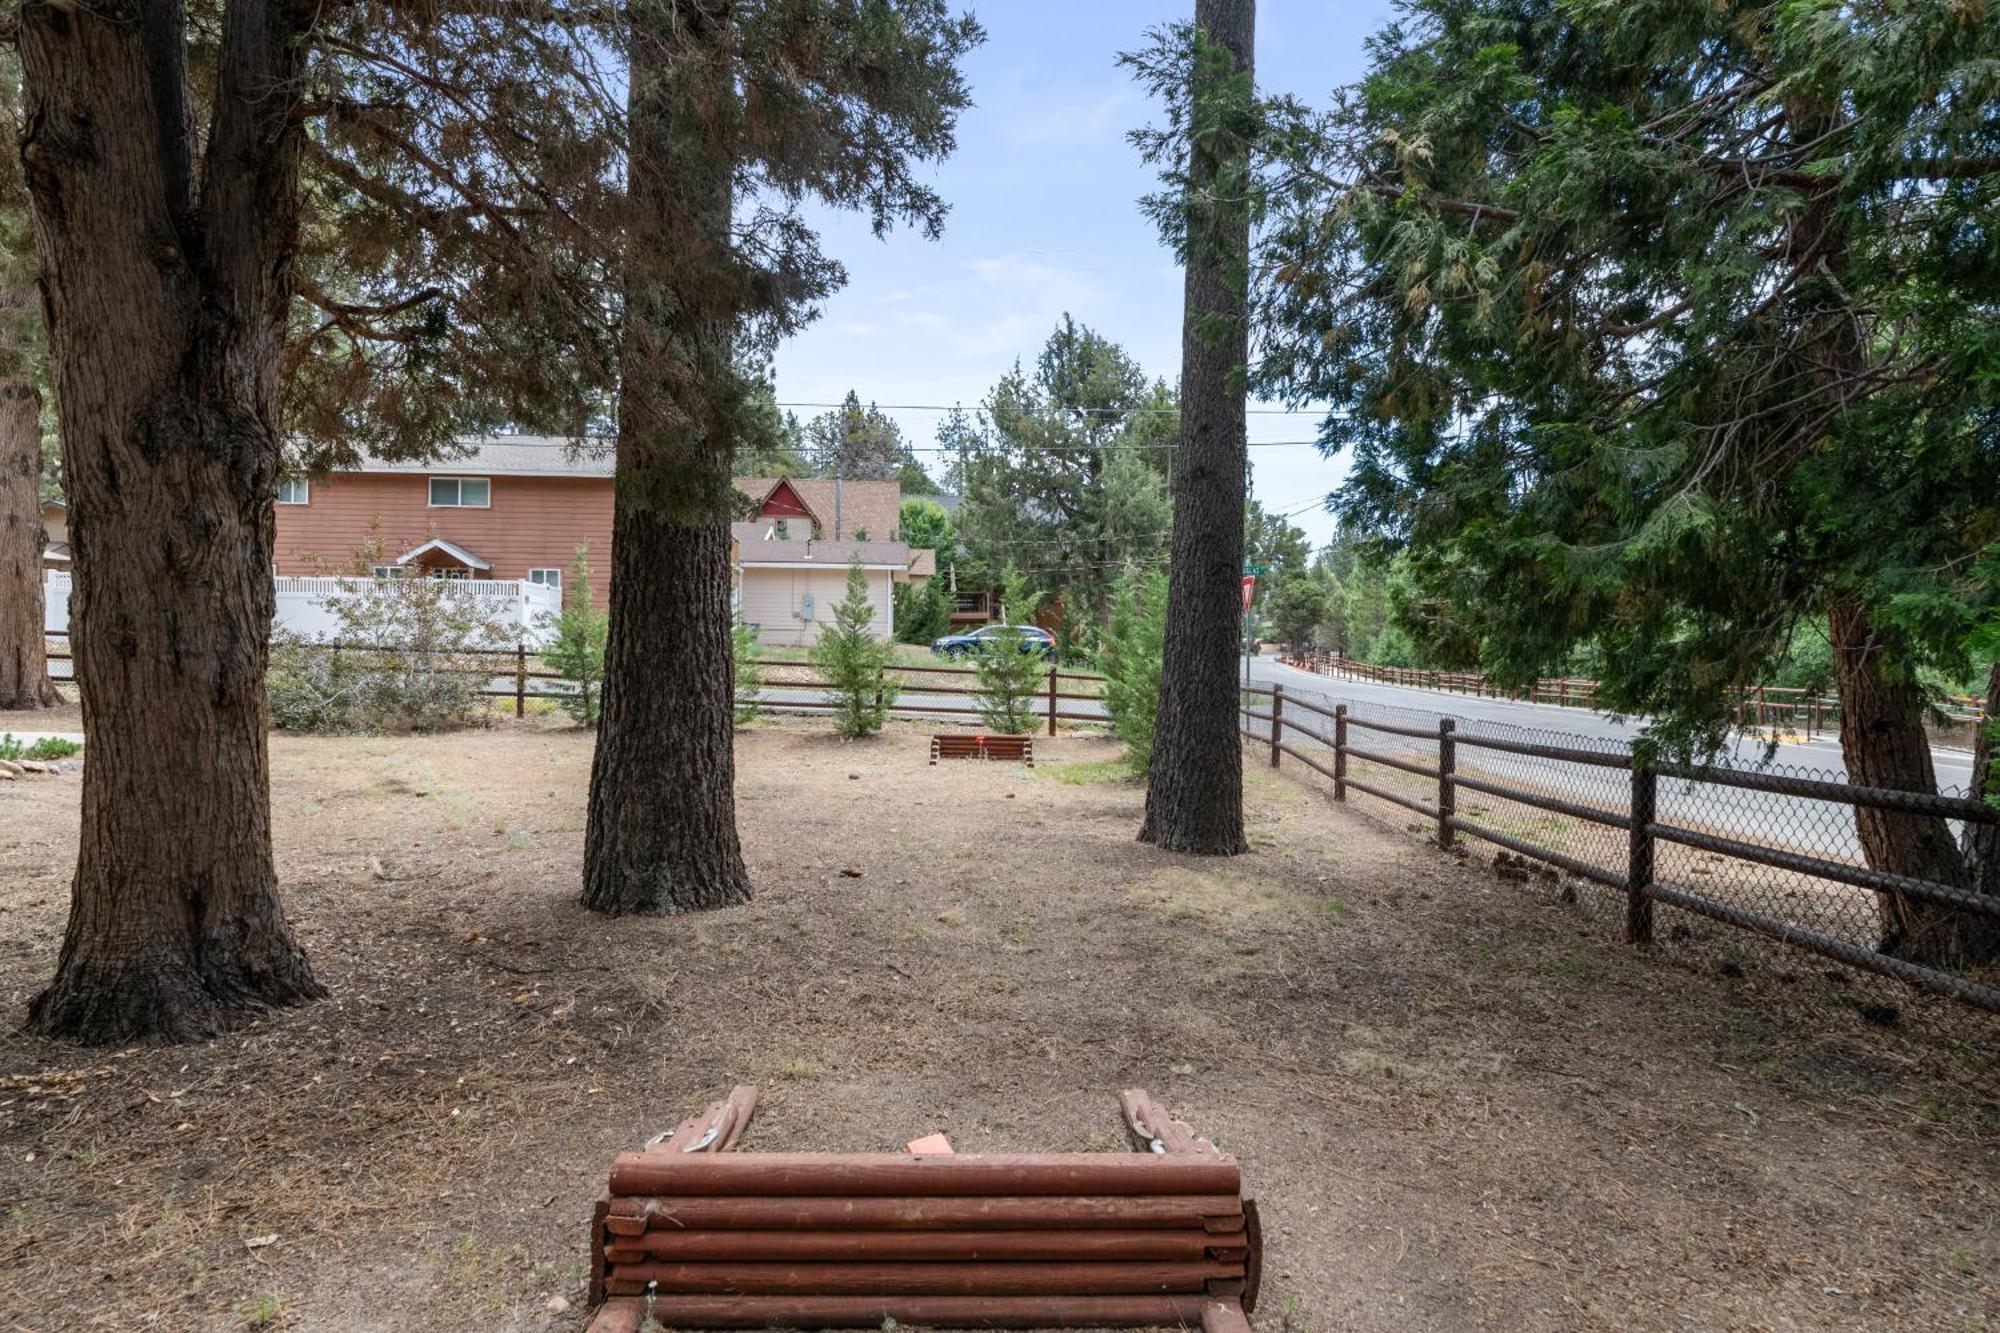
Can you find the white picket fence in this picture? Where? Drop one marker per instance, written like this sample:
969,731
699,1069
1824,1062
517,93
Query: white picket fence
522,609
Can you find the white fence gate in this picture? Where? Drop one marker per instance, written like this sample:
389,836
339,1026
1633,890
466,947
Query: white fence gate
522,609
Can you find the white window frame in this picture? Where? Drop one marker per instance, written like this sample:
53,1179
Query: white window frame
305,491
430,492
388,571
553,580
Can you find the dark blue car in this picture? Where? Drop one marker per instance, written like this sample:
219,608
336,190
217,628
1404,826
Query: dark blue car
987,637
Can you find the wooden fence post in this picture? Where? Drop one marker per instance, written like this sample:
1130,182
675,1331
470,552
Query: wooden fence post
1639,857
1054,671
1447,792
520,679
1277,720
1340,752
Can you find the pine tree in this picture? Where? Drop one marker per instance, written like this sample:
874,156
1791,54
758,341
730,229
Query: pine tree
255,213
577,645
1134,645
855,662
771,101
1011,672
1658,330
24,668
1194,795
748,676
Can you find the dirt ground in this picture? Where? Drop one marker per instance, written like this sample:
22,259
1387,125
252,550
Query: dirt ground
1460,1105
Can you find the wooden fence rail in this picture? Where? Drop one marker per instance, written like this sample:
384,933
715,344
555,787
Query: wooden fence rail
1636,879
514,662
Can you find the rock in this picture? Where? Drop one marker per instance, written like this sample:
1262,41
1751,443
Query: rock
10,768
558,1304
34,766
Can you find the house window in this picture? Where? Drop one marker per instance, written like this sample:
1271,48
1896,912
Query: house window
548,578
461,493
388,571
292,491
450,572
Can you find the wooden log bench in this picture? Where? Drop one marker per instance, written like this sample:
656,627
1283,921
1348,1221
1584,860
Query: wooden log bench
692,1234
1014,749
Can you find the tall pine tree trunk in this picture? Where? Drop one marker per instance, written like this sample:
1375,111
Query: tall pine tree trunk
24,665
1981,842
1883,742
166,286
661,835
1194,793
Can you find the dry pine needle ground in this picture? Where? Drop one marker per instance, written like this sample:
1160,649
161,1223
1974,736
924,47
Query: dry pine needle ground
1462,1105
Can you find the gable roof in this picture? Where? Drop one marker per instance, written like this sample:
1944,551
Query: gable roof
874,507
755,547
452,549
508,456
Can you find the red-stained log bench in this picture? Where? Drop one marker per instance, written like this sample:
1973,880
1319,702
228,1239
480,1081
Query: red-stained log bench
1013,749
699,1236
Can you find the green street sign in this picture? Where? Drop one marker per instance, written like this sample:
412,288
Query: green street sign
1251,567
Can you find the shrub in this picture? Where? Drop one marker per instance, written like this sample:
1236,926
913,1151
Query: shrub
1008,682
404,658
749,676
922,613
1134,644
855,662
576,648
43,750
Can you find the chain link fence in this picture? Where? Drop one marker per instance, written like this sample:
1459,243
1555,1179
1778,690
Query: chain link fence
1755,871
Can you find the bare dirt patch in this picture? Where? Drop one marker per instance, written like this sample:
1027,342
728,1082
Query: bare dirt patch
1460,1107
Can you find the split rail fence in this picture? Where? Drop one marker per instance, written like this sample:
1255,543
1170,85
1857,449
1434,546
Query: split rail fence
1769,851
518,673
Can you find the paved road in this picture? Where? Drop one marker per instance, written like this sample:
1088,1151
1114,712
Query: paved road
1818,828
1954,767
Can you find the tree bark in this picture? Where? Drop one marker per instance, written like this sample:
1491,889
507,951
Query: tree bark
661,835
165,291
1883,742
24,665
1981,842
1194,795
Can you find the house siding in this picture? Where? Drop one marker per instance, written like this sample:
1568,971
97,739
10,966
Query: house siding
773,599
532,523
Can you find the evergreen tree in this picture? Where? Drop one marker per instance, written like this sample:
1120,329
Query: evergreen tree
856,442
24,668
1661,329
1010,675
320,229
1134,645
747,675
576,647
736,113
855,662
923,612
1057,469
1194,794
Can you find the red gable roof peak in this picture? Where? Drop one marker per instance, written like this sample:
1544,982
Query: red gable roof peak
784,501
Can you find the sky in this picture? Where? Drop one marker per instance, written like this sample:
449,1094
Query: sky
1044,193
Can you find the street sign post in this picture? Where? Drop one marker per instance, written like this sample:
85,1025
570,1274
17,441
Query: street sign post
1250,573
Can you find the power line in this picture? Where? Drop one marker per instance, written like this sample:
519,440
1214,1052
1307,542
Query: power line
1083,411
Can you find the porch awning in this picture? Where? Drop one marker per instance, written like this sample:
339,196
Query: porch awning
443,547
